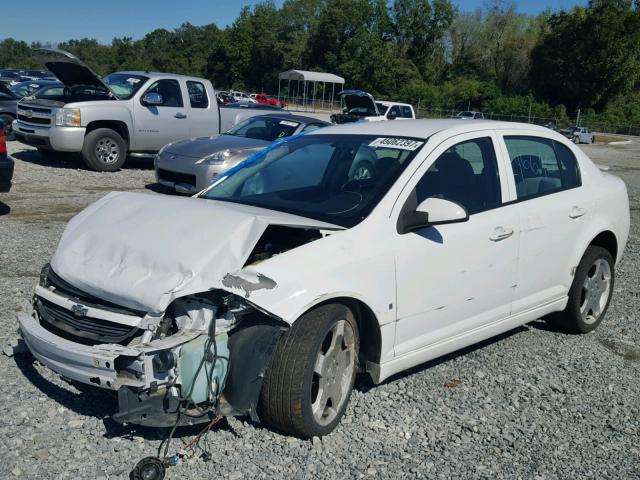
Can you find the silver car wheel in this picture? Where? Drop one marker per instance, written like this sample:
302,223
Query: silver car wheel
333,372
595,291
107,150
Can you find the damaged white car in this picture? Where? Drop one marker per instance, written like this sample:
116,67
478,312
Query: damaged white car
266,295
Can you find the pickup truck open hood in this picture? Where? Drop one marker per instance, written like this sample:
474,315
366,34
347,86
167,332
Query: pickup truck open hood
358,99
69,69
143,250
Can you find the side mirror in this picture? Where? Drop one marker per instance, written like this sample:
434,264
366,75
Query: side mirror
432,211
391,116
152,99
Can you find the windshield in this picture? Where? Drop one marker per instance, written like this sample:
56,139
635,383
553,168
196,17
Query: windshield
264,128
24,89
333,178
124,85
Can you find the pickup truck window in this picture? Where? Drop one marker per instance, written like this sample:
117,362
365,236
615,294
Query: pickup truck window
406,112
197,95
124,85
169,89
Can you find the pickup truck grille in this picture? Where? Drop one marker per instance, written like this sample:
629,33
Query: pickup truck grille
176,177
86,330
35,115
34,120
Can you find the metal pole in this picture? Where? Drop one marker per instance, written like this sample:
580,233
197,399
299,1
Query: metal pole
279,80
323,87
333,86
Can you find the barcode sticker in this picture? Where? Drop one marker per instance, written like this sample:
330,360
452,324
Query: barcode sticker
399,143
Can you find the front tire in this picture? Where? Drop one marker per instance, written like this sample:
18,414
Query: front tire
309,380
590,292
104,150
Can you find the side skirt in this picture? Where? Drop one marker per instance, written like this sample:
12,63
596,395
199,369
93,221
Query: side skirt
380,372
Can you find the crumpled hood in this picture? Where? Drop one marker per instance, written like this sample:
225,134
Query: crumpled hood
203,146
143,250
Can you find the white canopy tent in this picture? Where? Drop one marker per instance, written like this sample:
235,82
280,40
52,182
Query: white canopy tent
307,78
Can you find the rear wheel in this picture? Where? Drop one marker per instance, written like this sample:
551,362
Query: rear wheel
104,150
590,292
8,127
308,383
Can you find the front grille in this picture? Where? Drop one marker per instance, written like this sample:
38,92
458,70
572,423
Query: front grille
34,120
87,330
45,111
65,289
176,177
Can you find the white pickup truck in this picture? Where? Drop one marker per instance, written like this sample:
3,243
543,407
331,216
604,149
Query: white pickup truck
124,113
360,106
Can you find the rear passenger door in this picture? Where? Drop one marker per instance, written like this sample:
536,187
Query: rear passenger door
554,212
203,112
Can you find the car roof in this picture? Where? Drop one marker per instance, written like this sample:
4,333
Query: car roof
294,118
422,128
391,104
152,75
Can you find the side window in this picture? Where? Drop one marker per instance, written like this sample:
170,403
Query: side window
310,127
395,110
406,112
466,173
169,89
197,95
541,166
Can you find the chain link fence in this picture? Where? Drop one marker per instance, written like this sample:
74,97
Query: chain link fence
561,122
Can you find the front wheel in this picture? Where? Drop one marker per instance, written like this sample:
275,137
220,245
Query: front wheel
104,150
309,380
590,292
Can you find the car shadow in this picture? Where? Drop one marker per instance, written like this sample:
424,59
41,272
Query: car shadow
64,161
74,162
364,383
4,209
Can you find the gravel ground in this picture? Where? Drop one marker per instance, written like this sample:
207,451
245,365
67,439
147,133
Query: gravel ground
534,403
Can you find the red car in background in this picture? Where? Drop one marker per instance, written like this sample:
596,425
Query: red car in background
263,98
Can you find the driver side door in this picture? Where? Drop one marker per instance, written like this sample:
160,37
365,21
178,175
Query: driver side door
457,278
157,125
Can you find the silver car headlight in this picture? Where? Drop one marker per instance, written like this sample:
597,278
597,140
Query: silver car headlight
68,117
217,158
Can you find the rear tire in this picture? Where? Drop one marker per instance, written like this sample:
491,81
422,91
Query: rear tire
590,292
9,135
307,385
104,150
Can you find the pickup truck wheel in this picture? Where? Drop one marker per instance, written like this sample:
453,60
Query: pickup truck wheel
309,380
104,150
590,292
8,127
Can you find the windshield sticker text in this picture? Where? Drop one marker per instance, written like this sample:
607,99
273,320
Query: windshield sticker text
400,143
288,123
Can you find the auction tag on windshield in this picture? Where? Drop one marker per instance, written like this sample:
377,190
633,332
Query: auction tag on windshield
288,123
400,143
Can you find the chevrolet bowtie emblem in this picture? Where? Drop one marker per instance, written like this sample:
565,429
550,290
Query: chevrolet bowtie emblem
79,310
28,113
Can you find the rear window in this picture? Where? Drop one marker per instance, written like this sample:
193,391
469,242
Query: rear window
541,166
197,94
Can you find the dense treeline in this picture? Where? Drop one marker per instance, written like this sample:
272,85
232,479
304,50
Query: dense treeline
422,51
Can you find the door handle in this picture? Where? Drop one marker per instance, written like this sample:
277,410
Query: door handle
577,212
500,233
180,115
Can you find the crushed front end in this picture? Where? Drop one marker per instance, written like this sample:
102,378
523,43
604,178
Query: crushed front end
204,356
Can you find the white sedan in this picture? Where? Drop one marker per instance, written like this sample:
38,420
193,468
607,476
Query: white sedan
266,295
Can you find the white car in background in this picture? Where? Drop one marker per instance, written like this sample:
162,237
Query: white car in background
268,292
360,106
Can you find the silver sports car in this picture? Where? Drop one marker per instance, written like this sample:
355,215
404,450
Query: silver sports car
189,165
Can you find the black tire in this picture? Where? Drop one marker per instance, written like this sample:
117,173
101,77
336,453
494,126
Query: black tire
290,384
9,135
104,150
572,319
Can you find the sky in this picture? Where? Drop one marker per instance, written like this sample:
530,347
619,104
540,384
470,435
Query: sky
57,21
